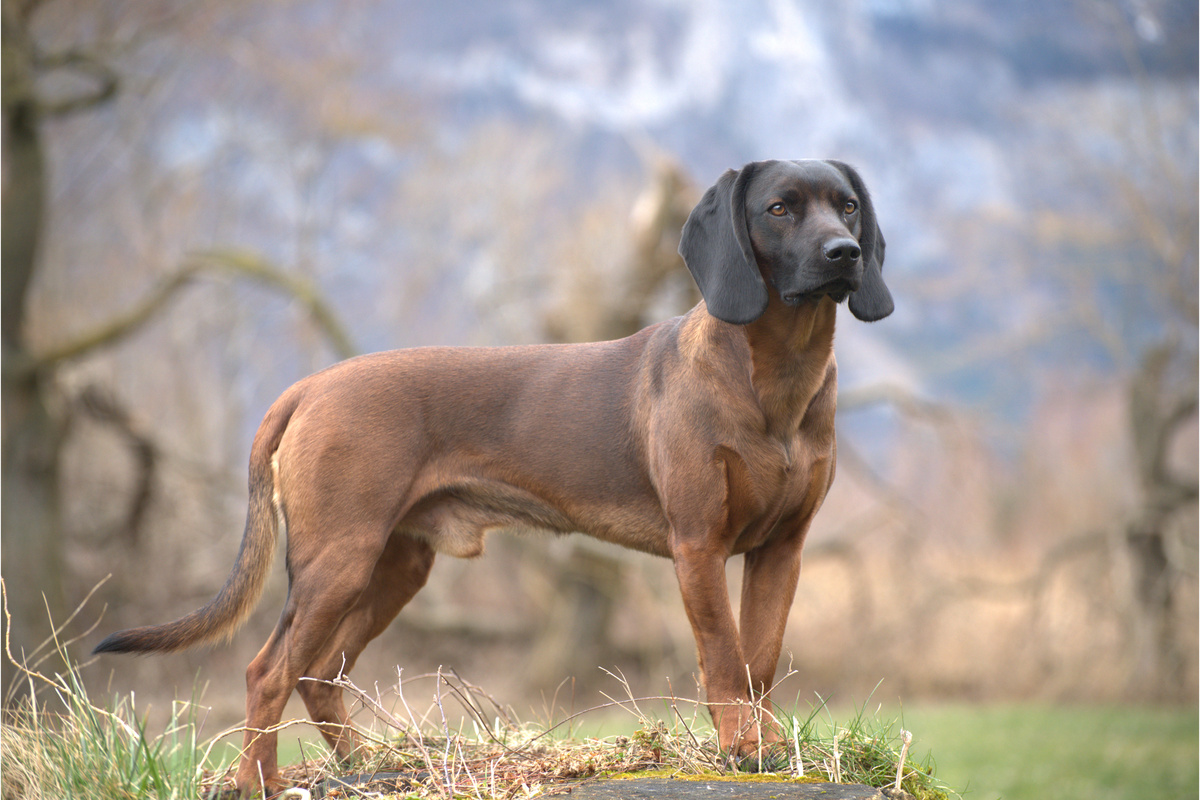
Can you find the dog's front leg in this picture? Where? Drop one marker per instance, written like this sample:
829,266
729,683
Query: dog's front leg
768,588
700,567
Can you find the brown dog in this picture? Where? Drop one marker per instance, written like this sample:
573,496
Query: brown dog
696,439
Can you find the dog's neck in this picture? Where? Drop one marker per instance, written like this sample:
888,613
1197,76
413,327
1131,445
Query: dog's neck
790,354
785,334
791,348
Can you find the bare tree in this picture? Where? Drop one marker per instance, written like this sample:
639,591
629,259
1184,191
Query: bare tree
597,301
37,410
34,419
1155,188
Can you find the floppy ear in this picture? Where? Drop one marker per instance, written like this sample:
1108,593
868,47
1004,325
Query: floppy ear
872,301
715,245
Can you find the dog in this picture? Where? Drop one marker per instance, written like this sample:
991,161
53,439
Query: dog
696,439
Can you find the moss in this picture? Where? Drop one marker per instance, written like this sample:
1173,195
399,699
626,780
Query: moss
711,776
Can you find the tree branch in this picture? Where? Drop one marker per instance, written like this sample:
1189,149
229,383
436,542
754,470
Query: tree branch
86,64
240,264
103,407
900,398
250,265
119,327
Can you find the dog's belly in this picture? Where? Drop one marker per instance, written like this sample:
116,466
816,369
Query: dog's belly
455,520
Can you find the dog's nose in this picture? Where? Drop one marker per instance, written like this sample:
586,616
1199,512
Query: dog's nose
842,252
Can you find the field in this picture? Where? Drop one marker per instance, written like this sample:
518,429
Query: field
1047,752
981,752
1034,752
1022,752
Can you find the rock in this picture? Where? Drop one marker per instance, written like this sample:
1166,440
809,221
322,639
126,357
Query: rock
646,788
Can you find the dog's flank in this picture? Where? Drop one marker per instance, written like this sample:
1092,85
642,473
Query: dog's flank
698,438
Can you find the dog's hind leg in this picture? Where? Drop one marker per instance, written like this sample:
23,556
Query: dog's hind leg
323,591
399,574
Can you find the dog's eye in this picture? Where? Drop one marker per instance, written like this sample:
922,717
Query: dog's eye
850,207
777,210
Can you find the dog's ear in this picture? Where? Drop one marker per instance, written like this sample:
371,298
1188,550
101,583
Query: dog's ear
715,245
872,301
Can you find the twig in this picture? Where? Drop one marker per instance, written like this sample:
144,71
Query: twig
368,702
756,715
476,712
419,738
437,698
906,739
686,727
837,755
799,768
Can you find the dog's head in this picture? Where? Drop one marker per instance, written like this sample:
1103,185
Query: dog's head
803,229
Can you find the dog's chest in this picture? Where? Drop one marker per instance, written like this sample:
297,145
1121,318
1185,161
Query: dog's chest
773,485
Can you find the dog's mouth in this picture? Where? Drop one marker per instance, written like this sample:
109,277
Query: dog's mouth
837,290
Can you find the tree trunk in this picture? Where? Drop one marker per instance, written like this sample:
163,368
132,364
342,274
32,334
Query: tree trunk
33,428
32,530
588,582
1156,418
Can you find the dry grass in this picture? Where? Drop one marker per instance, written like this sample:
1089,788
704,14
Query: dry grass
462,743
465,744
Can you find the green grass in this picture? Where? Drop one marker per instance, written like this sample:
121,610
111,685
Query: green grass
1027,752
56,742
64,745
486,751
60,744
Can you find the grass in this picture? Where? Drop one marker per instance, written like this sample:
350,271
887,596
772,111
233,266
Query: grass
1030,752
58,742
487,753
64,745
85,751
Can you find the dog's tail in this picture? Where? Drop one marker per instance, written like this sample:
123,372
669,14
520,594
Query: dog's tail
225,613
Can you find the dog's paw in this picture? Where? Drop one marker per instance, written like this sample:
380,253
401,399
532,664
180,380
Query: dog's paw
770,757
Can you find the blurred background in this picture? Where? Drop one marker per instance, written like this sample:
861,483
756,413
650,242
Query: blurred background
204,202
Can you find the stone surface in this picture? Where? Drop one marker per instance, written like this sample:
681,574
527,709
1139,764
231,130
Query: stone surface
365,785
645,788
